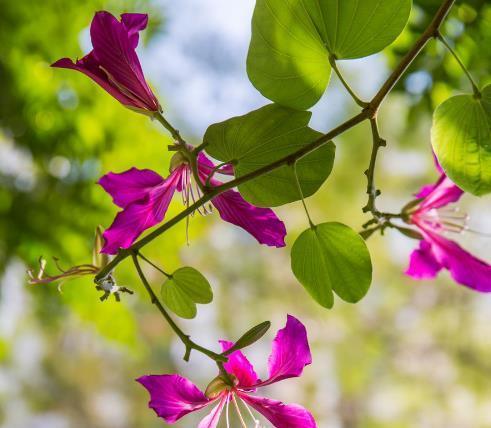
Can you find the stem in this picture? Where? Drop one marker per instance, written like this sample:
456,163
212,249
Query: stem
188,343
168,275
475,88
173,131
372,190
300,192
357,100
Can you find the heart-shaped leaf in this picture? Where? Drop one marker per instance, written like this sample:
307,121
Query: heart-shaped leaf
288,60
461,139
184,289
263,136
331,256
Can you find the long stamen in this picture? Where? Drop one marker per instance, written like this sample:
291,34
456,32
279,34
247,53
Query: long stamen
257,422
226,411
238,412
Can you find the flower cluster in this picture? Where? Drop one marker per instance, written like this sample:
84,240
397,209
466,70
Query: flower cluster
173,396
434,218
145,196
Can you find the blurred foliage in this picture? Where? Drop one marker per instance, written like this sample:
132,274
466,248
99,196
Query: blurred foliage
409,355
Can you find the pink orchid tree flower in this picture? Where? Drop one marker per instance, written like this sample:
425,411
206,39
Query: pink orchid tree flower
434,218
145,196
173,396
113,63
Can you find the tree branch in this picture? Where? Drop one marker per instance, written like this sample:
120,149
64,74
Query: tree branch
369,112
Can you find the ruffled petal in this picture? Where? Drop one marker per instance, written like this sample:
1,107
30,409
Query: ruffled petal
290,353
89,66
114,48
141,215
422,262
279,414
262,223
464,267
173,396
239,366
211,420
130,186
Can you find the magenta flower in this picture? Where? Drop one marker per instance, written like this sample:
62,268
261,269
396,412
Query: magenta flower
113,63
145,196
433,219
172,396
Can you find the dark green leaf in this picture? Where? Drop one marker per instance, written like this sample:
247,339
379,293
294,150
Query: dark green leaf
262,137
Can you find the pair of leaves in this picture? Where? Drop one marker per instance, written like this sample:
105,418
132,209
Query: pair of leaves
461,138
288,60
184,289
262,137
332,257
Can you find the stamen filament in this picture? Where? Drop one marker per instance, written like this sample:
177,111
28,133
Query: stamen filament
238,412
257,422
226,411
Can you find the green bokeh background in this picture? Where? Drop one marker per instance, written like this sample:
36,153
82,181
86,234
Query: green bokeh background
411,354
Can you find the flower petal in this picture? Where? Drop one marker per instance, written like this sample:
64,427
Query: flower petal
141,215
173,396
115,51
239,366
279,414
444,192
290,353
89,66
422,263
464,267
130,186
262,223
211,420
134,23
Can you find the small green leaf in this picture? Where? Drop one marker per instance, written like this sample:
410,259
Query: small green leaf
461,139
288,59
184,289
249,337
262,137
330,257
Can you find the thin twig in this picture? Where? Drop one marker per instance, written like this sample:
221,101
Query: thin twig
188,343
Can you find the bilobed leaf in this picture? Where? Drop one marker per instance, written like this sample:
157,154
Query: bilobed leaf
249,337
461,139
359,28
263,136
288,60
184,289
332,257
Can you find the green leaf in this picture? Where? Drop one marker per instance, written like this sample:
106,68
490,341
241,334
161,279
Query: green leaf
262,137
331,256
184,289
288,59
461,139
249,337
